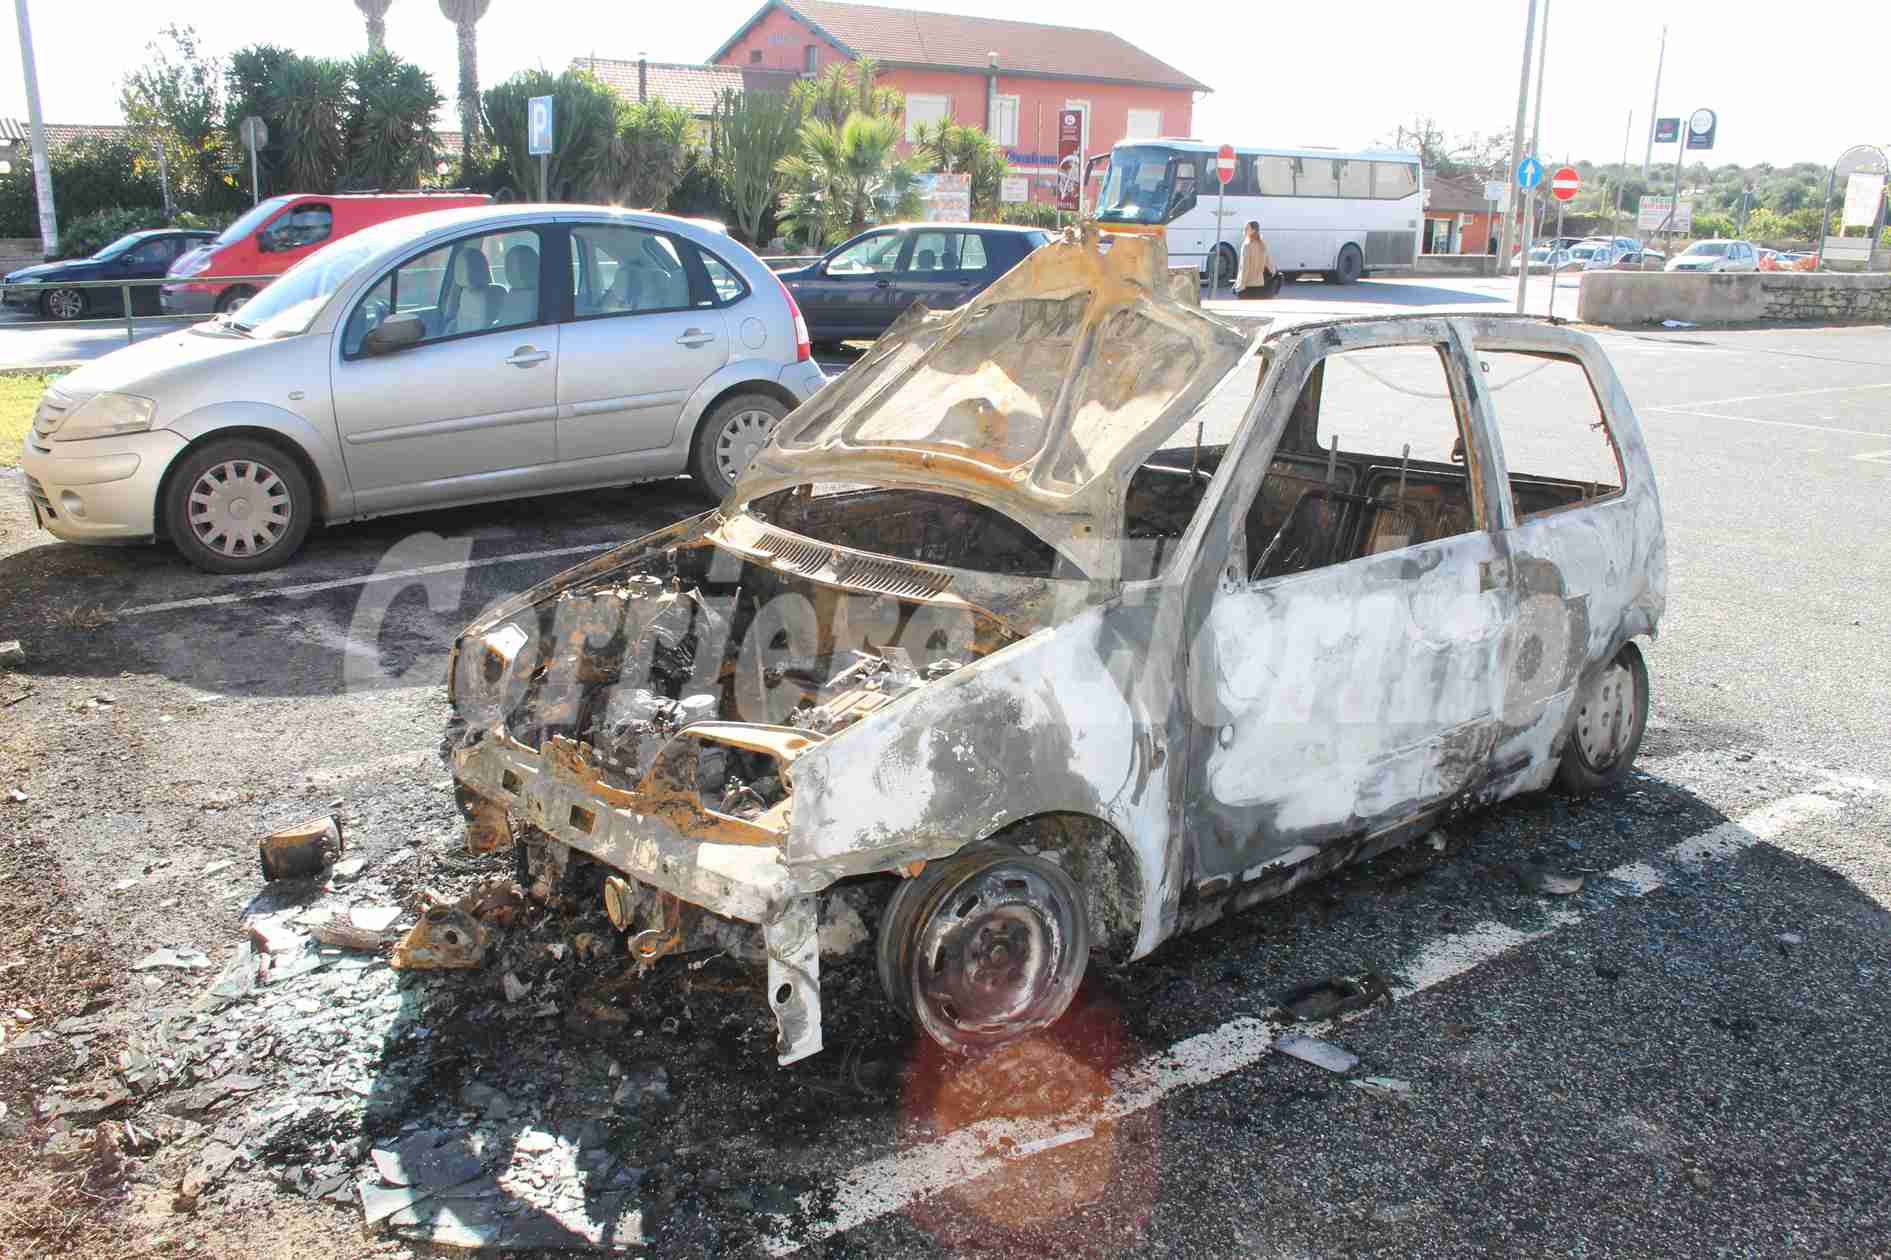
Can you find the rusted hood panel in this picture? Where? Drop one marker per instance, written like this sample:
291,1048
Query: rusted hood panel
1038,398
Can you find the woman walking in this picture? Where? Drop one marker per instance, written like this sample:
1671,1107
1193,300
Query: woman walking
1255,278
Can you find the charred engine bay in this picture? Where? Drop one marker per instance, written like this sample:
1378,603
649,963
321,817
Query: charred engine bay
622,661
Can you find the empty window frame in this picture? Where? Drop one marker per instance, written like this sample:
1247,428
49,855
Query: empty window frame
1555,435
1372,460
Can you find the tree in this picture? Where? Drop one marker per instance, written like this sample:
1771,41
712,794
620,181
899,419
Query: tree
843,90
375,11
389,121
1473,154
310,101
749,134
584,119
465,16
251,86
175,102
968,151
641,157
847,176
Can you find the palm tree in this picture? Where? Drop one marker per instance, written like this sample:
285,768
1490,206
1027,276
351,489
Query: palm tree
465,15
846,176
376,13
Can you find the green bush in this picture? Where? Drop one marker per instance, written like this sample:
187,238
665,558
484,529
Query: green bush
89,175
88,234
1029,213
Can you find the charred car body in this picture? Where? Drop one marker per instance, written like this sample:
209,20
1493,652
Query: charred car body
996,630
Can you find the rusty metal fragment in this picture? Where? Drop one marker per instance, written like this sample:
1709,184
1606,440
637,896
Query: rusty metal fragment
302,851
445,937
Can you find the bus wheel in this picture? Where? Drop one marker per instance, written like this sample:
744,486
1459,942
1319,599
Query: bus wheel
1225,252
1349,268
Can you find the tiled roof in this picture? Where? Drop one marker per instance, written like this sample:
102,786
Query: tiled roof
695,88
1454,194
914,38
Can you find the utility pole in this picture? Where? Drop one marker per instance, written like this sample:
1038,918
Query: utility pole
1621,177
1523,259
1654,108
1516,140
42,168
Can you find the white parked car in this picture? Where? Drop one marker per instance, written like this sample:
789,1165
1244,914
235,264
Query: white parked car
1592,255
461,356
1717,256
1544,258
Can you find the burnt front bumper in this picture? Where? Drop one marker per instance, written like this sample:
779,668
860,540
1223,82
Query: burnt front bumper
553,791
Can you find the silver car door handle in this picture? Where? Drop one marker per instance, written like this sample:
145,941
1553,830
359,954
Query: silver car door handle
526,356
695,337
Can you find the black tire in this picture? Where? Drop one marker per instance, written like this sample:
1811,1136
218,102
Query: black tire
1347,269
288,506
233,298
64,304
1229,265
1578,773
716,455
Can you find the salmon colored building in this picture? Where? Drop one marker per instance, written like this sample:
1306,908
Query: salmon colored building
1009,78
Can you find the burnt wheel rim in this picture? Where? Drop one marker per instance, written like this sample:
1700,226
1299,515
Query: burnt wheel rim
1606,721
239,508
740,440
999,953
65,304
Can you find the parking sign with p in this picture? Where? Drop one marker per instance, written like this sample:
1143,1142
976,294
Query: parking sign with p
538,115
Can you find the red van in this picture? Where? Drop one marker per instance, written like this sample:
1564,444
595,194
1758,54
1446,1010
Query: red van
279,233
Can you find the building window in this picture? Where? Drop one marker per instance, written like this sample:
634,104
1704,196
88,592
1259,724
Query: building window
926,109
755,56
1004,120
813,62
1144,124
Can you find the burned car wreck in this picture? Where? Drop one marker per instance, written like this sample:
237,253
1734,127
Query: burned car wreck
1070,620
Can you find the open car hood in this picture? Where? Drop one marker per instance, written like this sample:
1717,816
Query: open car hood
1039,398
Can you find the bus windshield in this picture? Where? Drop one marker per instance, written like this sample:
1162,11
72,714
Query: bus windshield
1146,185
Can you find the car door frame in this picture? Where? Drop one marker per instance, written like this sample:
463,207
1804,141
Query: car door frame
1264,843
824,327
493,483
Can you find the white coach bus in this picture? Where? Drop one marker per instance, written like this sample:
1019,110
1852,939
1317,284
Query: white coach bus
1321,211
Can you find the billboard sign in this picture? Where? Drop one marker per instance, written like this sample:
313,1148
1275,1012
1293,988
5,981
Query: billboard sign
1653,215
948,198
1863,192
1014,188
1700,129
1069,159
1667,130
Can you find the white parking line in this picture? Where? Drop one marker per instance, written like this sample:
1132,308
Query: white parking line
1875,457
1780,424
895,1182
1791,393
397,575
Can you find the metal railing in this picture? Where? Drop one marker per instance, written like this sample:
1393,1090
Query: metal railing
124,287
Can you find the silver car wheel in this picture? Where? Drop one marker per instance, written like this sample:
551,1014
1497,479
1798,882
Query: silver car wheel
239,508
741,440
1607,718
65,303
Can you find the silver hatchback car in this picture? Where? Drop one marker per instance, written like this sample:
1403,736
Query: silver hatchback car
448,358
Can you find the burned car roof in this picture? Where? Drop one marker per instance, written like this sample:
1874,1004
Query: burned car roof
1037,399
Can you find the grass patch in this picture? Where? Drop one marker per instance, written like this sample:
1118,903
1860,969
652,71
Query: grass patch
19,398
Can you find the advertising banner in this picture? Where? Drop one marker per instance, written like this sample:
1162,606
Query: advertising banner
948,198
1863,192
1015,188
1653,215
1069,159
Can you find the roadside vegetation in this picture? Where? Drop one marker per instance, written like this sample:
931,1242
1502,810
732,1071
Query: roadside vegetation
19,398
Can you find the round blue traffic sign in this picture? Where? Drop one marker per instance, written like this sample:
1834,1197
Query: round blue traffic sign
1529,173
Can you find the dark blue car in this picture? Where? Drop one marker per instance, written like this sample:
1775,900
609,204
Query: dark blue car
861,287
139,256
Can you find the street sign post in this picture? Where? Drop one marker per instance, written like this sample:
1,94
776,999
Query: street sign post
539,116
1224,171
255,134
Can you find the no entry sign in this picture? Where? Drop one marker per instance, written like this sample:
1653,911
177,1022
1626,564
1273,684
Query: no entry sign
1224,163
1565,183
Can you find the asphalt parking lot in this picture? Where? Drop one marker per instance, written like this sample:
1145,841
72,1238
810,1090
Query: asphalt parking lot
1686,1056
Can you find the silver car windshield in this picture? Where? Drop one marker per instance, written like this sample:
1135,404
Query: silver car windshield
287,307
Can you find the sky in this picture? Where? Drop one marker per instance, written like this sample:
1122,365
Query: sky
1292,74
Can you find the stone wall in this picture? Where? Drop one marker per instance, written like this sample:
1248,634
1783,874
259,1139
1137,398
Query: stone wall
1455,265
1631,297
17,252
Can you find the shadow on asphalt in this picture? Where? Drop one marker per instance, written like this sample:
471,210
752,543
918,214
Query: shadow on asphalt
77,606
608,1102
